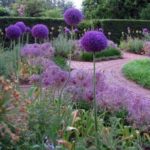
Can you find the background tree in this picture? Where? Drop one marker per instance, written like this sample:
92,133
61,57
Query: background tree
6,3
121,9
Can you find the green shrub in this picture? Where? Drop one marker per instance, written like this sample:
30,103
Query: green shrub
135,45
53,13
110,53
114,26
7,67
60,61
4,12
62,45
145,12
138,71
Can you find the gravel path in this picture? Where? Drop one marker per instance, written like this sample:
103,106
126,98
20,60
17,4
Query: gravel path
113,72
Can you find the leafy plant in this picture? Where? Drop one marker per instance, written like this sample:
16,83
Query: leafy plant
53,13
135,45
7,65
62,45
109,53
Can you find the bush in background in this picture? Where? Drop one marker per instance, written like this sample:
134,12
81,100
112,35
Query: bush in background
145,12
4,12
62,45
53,13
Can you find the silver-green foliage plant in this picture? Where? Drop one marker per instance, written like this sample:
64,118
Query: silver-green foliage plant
63,45
7,67
135,45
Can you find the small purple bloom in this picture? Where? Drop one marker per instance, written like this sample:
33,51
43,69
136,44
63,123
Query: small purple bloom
67,30
73,16
40,31
76,30
28,29
21,25
94,41
100,29
146,31
13,32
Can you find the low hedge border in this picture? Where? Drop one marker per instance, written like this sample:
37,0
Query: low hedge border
115,26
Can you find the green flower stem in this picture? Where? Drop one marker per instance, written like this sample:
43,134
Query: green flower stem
94,92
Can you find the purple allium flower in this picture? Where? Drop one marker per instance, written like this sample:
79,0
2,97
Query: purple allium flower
40,31
73,16
76,30
94,41
21,25
28,29
34,78
67,30
145,30
31,50
47,50
13,32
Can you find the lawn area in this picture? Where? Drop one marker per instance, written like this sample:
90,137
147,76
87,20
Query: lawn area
138,71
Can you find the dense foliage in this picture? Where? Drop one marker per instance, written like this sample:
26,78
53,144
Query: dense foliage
114,9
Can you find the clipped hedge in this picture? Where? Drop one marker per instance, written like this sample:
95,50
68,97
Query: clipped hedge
30,21
115,26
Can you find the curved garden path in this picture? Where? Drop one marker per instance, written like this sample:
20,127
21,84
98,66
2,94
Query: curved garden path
113,72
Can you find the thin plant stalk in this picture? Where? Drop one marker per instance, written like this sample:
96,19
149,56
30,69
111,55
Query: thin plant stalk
94,99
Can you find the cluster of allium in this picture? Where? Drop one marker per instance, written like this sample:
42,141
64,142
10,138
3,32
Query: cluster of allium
73,16
15,31
36,50
115,98
81,85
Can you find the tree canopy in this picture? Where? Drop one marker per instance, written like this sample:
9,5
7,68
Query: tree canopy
118,9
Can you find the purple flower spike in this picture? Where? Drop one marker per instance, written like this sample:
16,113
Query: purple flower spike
13,32
40,31
73,16
21,25
94,41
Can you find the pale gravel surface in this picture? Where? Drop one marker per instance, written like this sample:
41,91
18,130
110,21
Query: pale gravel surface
113,72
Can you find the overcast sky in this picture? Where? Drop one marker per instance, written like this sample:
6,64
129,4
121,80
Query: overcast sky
77,3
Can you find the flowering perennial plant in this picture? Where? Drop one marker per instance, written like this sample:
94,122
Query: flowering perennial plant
13,32
40,31
73,16
94,41
22,26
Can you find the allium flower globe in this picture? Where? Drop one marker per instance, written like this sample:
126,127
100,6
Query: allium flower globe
21,25
40,31
13,32
94,41
73,16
